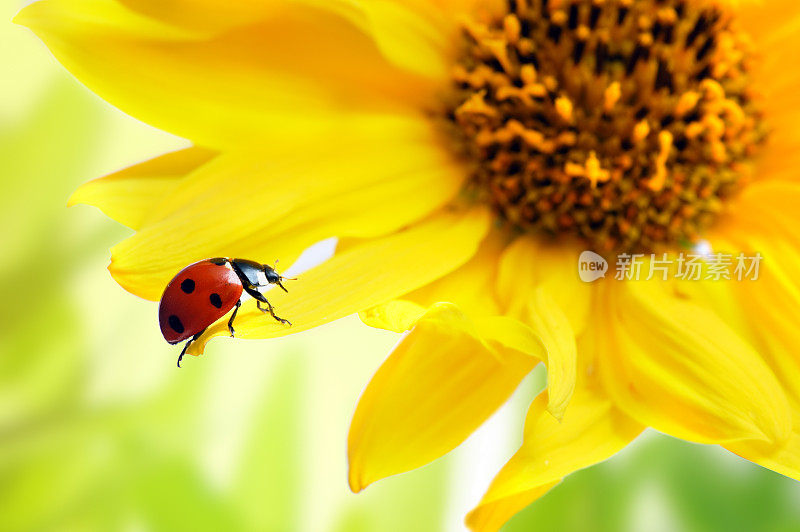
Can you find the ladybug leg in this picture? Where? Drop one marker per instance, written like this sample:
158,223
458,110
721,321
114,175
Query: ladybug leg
230,321
186,345
259,297
271,310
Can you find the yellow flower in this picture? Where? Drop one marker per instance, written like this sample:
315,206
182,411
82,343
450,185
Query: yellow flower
464,153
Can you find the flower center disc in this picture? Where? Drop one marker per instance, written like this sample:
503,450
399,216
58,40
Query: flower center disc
626,122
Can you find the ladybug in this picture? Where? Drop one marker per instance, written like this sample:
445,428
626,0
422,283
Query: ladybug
205,291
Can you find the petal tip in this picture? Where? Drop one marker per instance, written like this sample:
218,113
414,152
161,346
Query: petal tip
196,348
474,520
114,270
75,197
124,278
557,411
356,481
21,19
27,16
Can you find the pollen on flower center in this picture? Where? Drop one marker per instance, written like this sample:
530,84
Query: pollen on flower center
626,122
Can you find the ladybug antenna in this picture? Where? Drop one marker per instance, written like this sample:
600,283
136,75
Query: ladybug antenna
285,279
281,285
280,277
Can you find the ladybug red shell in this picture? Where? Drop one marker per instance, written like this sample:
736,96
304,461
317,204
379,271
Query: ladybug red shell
198,296
205,291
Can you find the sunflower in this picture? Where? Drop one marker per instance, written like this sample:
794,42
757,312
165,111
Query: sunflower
464,153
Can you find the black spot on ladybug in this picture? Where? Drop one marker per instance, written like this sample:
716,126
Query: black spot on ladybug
187,286
215,300
175,323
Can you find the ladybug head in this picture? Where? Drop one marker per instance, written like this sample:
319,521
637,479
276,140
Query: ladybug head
274,277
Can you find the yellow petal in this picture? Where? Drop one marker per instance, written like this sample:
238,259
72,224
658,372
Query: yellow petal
765,222
419,35
301,68
548,338
438,385
551,325
681,369
274,203
458,9
774,26
547,331
767,207
769,22
203,17
511,334
128,196
410,34
471,287
364,275
591,431
531,262
401,316
397,315
783,459
540,286
410,38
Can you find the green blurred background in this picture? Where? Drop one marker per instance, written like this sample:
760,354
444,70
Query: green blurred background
100,431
